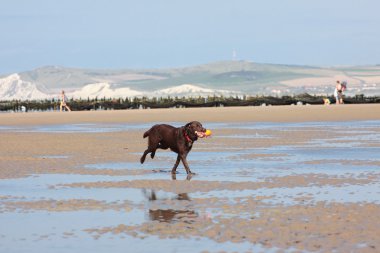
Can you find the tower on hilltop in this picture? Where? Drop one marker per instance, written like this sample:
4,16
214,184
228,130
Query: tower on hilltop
234,55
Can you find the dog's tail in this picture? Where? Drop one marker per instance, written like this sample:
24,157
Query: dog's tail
146,134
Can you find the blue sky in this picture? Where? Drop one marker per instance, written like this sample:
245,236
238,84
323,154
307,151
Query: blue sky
176,33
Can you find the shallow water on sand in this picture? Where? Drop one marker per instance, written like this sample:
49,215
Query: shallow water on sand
247,173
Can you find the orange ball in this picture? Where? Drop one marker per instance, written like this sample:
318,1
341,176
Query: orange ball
208,132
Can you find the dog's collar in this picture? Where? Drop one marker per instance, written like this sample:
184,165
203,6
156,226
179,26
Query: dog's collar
187,136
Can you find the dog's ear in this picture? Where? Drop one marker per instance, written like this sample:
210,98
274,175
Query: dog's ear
188,125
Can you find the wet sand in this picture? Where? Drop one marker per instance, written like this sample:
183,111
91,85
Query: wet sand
292,178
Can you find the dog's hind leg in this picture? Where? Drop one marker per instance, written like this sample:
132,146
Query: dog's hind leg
151,150
176,164
153,153
154,148
153,143
142,159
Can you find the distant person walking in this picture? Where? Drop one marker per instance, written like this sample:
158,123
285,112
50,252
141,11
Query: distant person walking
63,102
338,92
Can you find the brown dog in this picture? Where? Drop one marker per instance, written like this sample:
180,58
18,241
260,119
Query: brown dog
179,139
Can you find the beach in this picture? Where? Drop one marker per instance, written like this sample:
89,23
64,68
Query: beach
270,179
213,114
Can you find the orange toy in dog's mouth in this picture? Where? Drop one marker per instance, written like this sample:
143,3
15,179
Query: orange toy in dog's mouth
203,134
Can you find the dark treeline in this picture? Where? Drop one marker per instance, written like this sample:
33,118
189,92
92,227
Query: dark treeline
175,102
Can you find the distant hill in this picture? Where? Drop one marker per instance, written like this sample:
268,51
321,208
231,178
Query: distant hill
222,78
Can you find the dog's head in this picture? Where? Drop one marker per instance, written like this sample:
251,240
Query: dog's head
194,129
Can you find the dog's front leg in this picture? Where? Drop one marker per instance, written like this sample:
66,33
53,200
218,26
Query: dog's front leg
184,161
176,164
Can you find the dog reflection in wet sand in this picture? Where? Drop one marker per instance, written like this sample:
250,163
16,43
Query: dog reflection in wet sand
170,215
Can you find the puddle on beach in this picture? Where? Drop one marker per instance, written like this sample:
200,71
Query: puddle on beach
227,206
